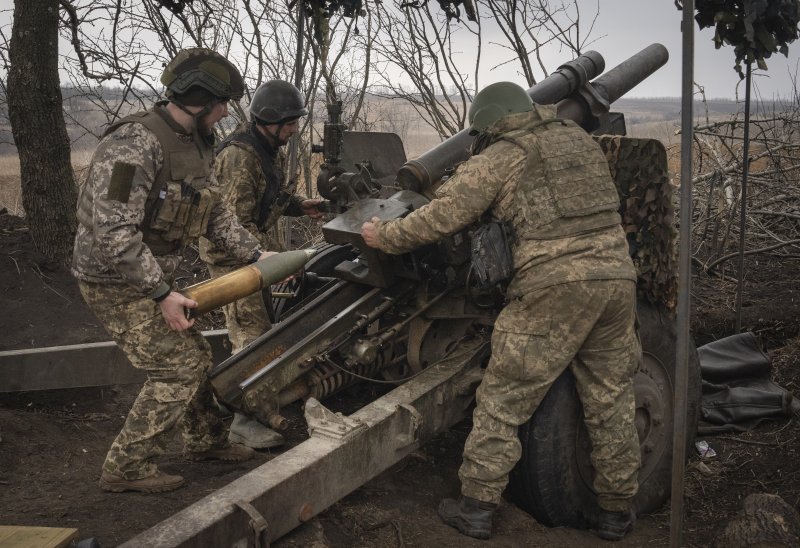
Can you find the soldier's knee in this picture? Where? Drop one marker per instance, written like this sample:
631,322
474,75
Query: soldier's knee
182,380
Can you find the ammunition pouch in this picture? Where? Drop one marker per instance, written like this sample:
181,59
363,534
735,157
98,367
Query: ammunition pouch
492,261
181,212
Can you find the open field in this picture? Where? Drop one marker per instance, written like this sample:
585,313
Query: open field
653,118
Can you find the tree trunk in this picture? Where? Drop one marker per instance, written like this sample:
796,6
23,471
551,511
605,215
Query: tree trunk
49,194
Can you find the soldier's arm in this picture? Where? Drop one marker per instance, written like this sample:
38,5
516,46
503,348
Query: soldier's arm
122,173
294,208
225,231
241,183
460,202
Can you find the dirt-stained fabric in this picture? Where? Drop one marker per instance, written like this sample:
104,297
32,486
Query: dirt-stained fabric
571,301
109,246
588,327
176,393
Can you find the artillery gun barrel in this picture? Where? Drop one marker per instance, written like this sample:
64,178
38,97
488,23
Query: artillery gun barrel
565,82
245,281
616,82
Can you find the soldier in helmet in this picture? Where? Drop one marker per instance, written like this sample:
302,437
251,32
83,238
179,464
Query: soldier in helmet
251,173
570,302
151,190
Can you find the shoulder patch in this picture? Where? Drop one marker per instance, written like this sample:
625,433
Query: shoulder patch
119,188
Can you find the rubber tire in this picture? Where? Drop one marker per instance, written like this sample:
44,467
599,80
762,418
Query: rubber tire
553,479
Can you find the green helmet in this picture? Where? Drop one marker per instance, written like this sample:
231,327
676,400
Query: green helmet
494,102
205,69
277,101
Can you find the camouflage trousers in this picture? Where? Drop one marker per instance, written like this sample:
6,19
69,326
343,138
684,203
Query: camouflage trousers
246,319
589,327
176,392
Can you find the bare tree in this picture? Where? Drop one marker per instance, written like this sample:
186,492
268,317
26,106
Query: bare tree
532,26
34,105
418,44
427,59
774,199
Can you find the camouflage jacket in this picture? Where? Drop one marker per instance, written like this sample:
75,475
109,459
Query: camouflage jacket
240,171
488,182
108,246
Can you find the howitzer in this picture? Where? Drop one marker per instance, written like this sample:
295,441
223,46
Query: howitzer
414,320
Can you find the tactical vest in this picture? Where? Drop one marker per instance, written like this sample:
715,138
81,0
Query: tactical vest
566,188
179,204
275,199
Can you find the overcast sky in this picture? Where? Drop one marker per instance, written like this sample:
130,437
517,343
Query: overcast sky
627,26
624,27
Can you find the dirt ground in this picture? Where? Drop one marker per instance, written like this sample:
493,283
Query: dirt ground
53,443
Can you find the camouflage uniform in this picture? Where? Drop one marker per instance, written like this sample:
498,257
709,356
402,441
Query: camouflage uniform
141,202
253,184
571,300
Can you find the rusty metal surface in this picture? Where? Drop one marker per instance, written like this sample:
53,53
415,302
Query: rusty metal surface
307,479
80,365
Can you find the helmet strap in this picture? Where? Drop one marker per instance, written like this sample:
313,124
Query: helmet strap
482,140
196,137
273,138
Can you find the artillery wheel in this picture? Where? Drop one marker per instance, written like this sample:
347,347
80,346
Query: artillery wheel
553,479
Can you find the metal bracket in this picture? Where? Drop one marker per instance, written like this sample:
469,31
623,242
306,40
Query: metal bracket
258,525
324,422
415,419
598,105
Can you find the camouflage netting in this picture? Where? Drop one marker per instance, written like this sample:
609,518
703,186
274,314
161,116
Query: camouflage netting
639,168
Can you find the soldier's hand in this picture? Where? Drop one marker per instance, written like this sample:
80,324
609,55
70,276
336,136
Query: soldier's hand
173,309
369,231
310,208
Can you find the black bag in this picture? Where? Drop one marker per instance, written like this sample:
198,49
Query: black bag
492,262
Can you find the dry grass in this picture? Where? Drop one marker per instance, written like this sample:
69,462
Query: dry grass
10,191
10,196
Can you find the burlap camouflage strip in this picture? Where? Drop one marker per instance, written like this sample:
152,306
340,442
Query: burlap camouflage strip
639,169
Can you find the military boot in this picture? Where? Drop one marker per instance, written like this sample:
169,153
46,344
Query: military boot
157,483
471,517
615,525
233,452
253,434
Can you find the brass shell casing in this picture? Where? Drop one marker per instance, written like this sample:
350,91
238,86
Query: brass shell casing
245,281
228,288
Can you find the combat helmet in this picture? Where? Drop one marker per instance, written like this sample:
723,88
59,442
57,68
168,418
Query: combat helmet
277,101
494,102
205,69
